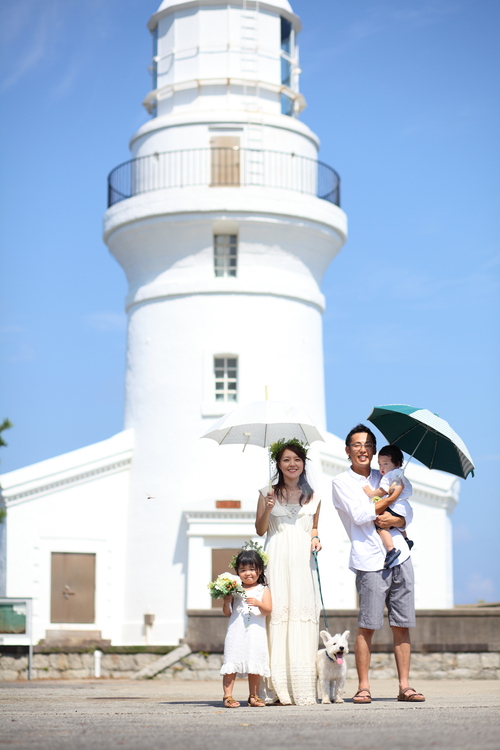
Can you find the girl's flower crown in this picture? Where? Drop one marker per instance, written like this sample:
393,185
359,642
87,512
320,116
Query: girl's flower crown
255,546
280,444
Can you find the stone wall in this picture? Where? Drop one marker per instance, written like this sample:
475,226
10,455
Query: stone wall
201,666
426,666
72,666
459,643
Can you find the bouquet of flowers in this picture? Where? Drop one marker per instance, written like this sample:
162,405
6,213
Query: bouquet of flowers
224,585
227,584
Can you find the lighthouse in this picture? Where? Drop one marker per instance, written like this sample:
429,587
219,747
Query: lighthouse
224,220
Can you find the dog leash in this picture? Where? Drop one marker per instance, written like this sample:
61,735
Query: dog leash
321,593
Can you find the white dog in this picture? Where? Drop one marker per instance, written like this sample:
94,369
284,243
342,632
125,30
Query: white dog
331,666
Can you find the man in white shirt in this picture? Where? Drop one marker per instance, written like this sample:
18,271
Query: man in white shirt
376,586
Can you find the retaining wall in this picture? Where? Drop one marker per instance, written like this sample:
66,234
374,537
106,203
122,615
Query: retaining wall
460,643
200,666
458,630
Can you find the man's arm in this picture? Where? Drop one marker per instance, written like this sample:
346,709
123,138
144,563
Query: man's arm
382,505
386,520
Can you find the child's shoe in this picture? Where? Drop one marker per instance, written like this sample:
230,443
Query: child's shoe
229,702
391,556
255,702
409,543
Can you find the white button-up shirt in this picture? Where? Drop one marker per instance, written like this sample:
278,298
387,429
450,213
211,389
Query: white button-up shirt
357,513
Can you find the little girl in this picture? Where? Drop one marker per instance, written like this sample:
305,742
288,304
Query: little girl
245,647
398,488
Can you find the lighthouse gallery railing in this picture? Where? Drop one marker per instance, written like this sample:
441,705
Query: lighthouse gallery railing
223,167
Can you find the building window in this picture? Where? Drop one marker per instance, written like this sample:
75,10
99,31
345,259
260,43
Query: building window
226,378
154,66
286,105
225,254
286,65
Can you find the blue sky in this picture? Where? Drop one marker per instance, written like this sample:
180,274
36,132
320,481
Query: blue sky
404,95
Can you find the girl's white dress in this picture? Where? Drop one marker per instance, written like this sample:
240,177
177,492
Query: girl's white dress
293,626
245,647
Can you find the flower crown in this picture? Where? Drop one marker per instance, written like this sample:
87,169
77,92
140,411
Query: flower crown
257,548
278,446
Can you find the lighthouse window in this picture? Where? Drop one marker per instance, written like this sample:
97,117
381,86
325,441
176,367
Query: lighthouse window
226,378
154,65
286,65
286,48
225,254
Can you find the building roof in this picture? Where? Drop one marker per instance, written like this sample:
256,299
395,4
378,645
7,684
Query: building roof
283,4
98,459
169,6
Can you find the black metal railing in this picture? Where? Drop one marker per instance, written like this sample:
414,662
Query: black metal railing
223,167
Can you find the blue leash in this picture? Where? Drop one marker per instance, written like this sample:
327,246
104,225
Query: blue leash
321,594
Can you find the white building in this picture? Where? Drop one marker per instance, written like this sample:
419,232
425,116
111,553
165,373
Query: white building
224,223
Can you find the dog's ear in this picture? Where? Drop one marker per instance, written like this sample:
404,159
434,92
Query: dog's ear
325,636
346,634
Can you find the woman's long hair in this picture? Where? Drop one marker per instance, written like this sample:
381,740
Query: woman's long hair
305,488
251,558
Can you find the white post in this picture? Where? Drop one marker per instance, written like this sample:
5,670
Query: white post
97,663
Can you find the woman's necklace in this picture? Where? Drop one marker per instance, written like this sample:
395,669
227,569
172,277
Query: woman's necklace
291,492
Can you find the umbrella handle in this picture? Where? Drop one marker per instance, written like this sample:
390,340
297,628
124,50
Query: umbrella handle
270,470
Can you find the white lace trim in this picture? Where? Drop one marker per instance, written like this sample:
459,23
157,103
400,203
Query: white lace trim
296,685
302,613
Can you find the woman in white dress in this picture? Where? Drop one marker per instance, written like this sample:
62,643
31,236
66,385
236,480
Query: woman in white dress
289,515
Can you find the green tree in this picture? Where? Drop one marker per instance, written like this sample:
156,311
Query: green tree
6,425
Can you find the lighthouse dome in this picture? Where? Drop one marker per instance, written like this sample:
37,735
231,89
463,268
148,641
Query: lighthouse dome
282,7
167,4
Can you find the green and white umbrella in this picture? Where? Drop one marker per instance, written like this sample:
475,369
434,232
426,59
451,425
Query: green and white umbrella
424,435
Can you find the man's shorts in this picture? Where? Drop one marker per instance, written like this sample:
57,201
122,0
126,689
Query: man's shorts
393,587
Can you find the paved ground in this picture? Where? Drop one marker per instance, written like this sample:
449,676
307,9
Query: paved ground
106,714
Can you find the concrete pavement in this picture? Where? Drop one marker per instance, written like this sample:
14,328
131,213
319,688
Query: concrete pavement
175,715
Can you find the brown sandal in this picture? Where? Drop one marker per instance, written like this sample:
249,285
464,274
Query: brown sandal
362,698
257,702
229,702
412,698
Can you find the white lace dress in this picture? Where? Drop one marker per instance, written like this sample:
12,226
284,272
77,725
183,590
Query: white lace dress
245,647
293,626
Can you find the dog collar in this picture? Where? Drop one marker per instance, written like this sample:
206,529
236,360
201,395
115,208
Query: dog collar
329,657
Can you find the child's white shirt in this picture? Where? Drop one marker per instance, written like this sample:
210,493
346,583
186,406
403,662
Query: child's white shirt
406,492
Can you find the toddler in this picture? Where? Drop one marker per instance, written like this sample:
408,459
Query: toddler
245,647
398,488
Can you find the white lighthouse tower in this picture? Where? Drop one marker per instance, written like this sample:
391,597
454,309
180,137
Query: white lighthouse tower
224,223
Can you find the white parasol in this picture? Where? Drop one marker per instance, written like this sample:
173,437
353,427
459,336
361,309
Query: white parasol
263,423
